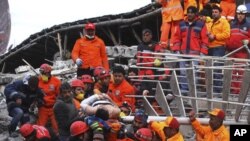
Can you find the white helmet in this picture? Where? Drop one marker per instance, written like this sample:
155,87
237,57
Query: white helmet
241,9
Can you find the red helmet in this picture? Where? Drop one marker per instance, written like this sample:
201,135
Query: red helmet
89,26
45,68
103,74
87,79
78,127
77,83
144,134
97,71
26,129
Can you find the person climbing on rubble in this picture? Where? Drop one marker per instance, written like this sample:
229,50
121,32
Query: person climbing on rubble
215,130
21,96
50,86
240,34
89,52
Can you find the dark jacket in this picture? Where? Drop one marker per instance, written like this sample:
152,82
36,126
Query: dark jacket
65,114
18,89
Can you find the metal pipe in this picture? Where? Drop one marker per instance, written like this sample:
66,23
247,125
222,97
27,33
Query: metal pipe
186,121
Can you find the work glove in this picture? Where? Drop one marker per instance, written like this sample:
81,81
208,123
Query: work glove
79,62
96,126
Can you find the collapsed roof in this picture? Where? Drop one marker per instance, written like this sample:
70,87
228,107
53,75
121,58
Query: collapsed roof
121,29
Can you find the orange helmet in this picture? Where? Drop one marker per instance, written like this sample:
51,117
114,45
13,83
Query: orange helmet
45,68
78,127
26,129
77,83
87,79
89,26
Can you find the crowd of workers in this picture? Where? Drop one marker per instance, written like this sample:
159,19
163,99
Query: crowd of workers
91,106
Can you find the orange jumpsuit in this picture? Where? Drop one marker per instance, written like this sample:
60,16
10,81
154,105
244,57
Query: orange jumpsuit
228,9
45,113
118,93
206,132
92,53
172,14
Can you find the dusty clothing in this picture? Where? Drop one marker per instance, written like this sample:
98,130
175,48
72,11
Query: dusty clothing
191,38
176,137
221,30
92,53
118,93
65,114
206,132
18,89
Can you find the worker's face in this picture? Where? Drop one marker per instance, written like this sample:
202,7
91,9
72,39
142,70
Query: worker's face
106,80
215,14
241,16
66,94
118,78
191,16
214,122
90,33
147,37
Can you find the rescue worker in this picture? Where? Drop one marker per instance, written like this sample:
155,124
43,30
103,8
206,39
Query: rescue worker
34,132
50,86
215,131
79,131
218,33
228,9
104,79
190,38
140,121
88,85
240,32
77,89
172,14
65,110
171,129
89,52
21,95
168,129
120,89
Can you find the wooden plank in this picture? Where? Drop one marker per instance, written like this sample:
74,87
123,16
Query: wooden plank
209,82
243,93
192,85
176,91
161,99
226,84
148,107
